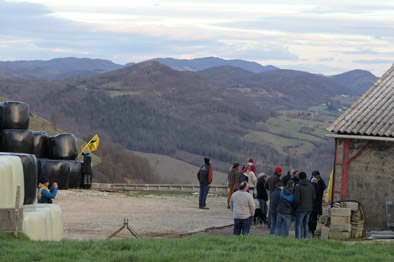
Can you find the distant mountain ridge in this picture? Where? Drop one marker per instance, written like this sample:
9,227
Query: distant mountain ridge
58,68
199,64
356,80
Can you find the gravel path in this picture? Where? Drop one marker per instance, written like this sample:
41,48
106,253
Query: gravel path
96,215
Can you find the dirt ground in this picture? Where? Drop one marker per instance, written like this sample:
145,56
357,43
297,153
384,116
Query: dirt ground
96,215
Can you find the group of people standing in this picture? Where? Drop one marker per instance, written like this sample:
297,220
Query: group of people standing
292,197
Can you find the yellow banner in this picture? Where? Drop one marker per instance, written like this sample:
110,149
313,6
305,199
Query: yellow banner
329,193
92,145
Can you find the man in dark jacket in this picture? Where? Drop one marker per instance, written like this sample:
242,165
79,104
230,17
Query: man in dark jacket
270,186
303,199
262,196
204,176
285,210
295,177
87,173
274,203
321,186
273,180
287,177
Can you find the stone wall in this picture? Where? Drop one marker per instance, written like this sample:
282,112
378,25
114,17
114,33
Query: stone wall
370,179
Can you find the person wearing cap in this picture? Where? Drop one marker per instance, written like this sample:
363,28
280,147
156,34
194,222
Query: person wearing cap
250,178
46,195
242,205
270,186
253,167
262,196
232,180
274,179
86,178
204,176
304,197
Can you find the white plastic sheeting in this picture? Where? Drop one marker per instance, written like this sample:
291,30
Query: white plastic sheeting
43,222
11,176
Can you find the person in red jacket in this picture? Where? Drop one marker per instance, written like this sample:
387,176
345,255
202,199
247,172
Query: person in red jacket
252,168
204,176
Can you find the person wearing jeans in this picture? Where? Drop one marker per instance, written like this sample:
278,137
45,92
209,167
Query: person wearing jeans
285,210
302,218
303,198
242,205
274,203
204,176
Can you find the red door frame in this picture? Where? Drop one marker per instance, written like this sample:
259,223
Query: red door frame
345,164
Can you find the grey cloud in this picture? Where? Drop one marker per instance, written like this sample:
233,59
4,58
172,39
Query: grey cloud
362,51
265,53
374,61
327,59
304,24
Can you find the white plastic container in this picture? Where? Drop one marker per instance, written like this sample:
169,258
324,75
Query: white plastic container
11,176
43,222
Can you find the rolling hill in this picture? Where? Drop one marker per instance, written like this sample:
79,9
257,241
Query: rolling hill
199,64
59,68
227,113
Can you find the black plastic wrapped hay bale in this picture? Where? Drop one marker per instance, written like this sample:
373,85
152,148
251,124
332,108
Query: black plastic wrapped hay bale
40,147
75,174
63,146
17,141
56,171
14,115
29,163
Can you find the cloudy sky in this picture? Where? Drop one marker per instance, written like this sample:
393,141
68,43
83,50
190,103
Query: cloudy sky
317,36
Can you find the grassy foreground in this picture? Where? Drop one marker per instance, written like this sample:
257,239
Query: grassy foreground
199,247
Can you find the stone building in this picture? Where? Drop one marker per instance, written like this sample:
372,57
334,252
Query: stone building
364,152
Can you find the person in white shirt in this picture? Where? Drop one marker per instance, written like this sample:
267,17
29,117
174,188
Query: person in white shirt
242,205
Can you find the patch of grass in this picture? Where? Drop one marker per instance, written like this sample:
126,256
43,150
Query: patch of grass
177,171
120,93
197,248
278,142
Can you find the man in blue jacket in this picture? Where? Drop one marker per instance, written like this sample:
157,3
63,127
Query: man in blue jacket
46,195
285,210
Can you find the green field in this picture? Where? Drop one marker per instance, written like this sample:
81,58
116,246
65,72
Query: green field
293,131
177,171
199,248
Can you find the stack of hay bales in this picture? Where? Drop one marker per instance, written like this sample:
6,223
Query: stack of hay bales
26,156
55,154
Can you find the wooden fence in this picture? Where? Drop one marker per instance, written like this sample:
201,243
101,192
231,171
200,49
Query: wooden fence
158,188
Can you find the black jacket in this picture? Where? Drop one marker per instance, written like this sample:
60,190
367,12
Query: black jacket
271,182
304,196
286,179
286,201
261,191
274,203
296,180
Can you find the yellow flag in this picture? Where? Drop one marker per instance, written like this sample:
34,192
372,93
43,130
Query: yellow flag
329,193
92,145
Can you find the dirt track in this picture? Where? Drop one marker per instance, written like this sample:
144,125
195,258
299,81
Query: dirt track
96,215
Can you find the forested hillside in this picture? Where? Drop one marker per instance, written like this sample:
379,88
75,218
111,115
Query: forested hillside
225,113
